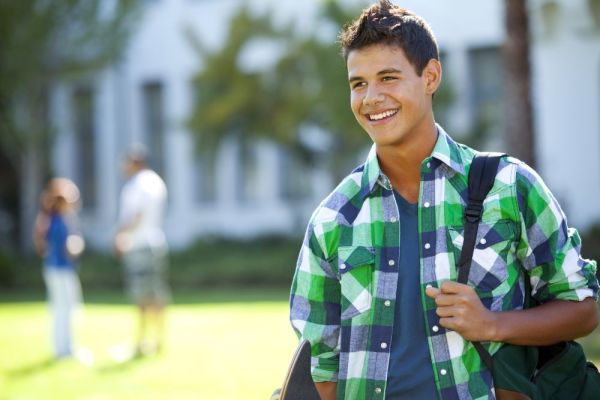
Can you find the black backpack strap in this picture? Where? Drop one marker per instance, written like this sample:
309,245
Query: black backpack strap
481,179
482,175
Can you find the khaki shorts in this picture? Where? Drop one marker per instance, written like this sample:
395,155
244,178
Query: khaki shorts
146,275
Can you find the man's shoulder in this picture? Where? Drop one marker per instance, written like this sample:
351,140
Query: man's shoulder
148,181
509,167
347,192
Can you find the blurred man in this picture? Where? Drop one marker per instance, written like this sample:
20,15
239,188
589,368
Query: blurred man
375,289
140,242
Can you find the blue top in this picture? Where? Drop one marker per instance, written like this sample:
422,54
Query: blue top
56,237
410,375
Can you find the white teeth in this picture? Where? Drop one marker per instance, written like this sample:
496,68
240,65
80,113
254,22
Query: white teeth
377,117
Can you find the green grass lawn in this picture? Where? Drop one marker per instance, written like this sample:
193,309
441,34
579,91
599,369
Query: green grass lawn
227,344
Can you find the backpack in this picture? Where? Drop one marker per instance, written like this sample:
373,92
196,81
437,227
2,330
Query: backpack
559,371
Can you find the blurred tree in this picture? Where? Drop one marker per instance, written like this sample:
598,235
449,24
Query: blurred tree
300,101
519,114
305,87
41,42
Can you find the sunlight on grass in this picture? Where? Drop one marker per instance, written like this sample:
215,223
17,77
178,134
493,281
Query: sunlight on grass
222,344
235,350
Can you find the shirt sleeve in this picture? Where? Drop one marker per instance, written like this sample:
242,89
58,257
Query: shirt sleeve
548,248
315,307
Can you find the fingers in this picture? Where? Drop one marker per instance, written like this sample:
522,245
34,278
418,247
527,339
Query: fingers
451,287
448,323
448,287
443,300
446,295
444,312
432,292
440,298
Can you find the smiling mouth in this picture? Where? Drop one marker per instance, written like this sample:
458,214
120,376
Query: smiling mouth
381,115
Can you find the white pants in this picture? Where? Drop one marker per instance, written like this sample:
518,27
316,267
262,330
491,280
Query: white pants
64,295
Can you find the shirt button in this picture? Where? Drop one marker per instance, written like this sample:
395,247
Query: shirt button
384,345
426,204
393,219
387,303
427,245
428,164
443,371
378,390
435,328
483,241
343,266
391,263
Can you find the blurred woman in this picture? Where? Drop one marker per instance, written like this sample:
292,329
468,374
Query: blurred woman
58,243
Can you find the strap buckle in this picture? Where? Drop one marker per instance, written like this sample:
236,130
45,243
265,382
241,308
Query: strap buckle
473,212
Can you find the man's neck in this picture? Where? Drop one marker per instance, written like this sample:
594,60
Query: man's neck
402,162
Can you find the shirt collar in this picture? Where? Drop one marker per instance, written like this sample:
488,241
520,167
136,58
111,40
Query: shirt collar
446,150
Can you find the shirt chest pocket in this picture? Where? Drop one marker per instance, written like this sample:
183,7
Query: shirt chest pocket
355,267
493,253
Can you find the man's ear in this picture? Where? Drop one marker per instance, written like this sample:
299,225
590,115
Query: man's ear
433,75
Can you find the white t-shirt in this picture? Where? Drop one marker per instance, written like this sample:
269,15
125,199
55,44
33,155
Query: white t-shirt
144,196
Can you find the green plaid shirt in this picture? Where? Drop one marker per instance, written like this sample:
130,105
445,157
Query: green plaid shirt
344,290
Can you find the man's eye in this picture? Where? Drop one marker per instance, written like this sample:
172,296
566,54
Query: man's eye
389,78
357,85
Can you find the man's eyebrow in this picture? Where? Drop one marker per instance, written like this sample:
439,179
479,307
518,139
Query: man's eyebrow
389,71
382,72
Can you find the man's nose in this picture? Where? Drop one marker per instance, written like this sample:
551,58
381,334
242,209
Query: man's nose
373,97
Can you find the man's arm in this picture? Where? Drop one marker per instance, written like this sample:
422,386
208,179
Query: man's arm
315,308
122,241
461,310
327,390
561,280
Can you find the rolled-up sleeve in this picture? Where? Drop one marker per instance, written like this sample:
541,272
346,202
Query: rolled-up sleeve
548,249
315,306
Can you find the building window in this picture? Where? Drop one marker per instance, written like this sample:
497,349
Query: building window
248,180
85,139
205,178
486,93
154,126
294,177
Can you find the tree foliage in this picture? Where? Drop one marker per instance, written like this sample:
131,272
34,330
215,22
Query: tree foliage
306,86
42,42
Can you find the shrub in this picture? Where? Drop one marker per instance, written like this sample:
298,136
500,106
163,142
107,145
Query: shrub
268,261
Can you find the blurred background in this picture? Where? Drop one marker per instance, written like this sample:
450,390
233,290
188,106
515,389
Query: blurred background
244,106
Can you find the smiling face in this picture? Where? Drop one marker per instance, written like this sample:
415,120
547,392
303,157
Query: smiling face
389,100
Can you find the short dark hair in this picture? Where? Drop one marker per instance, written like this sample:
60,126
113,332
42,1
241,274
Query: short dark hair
137,153
386,23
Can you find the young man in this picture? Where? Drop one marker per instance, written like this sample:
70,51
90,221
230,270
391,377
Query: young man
375,287
140,242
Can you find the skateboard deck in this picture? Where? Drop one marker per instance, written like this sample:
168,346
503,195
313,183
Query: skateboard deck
298,383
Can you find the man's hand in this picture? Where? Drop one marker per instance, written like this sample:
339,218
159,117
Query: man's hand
121,243
461,310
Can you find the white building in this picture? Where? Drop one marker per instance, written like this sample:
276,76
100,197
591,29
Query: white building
148,94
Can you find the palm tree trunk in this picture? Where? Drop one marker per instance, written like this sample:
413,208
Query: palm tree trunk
518,110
